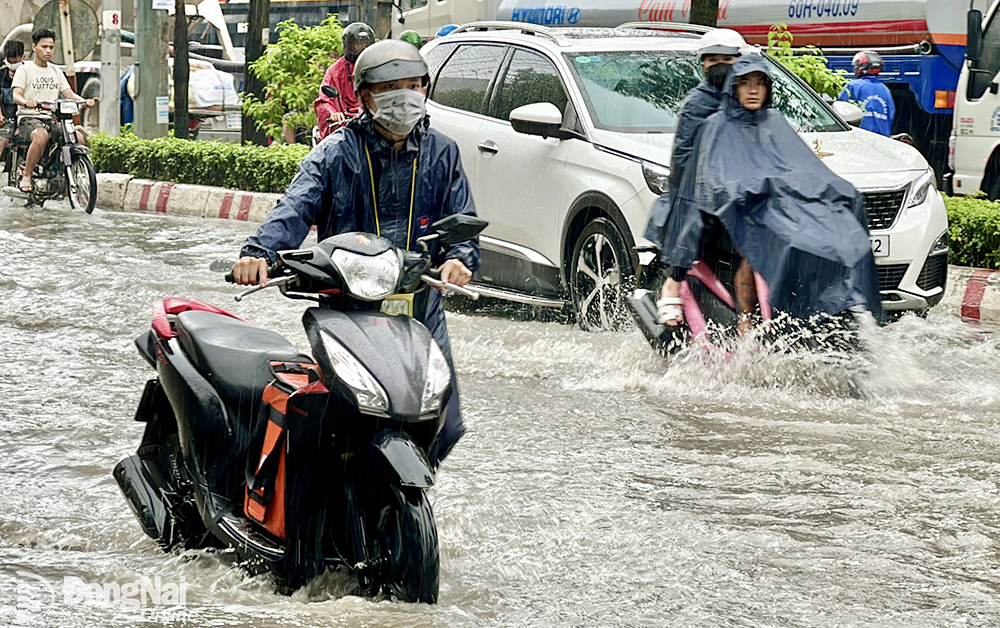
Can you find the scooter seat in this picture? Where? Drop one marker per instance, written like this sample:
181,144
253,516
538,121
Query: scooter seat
233,356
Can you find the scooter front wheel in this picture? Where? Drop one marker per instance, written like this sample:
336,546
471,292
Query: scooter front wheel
81,184
406,543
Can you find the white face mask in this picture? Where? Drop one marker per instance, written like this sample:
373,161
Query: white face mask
12,66
400,110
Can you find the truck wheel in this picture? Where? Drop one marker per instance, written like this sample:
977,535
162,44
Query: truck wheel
599,270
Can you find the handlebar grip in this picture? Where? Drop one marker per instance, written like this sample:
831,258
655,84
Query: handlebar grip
434,273
230,278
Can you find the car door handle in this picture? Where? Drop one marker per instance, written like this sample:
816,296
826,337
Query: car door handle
489,147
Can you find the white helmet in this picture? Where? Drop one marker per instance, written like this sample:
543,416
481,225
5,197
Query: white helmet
721,41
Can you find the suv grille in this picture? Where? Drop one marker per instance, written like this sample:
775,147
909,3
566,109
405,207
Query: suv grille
883,207
890,275
934,273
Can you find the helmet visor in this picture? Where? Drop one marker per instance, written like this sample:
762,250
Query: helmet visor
394,71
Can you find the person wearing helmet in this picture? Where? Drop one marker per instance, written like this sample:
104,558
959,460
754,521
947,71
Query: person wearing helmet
413,37
357,36
386,172
718,51
447,29
870,93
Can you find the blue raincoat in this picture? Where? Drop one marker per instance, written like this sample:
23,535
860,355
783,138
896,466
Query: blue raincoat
333,191
700,103
875,100
796,223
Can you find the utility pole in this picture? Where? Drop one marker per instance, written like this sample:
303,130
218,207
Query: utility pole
258,35
110,103
181,71
66,35
151,90
704,12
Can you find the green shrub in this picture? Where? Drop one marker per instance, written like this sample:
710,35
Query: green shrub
810,67
220,164
974,231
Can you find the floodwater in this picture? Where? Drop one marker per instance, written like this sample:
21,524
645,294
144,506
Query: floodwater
597,486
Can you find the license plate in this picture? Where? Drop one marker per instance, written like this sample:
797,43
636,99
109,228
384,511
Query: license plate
70,128
398,305
880,245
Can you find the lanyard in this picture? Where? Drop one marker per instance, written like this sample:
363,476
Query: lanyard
413,188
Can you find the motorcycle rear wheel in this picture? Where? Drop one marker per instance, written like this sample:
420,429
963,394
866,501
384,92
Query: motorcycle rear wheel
81,184
406,542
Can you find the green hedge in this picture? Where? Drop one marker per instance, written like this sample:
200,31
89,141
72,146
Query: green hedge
974,231
221,164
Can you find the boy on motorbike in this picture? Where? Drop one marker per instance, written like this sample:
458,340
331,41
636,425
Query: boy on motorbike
13,52
387,173
34,83
718,50
329,111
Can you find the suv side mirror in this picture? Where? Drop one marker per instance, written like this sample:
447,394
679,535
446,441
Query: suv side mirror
851,114
540,118
974,29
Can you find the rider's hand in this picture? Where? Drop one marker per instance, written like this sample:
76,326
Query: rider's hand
250,270
90,102
454,271
31,104
336,117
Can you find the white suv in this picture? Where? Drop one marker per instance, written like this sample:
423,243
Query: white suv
566,135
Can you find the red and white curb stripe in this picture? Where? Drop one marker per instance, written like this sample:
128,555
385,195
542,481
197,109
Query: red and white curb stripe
123,192
973,294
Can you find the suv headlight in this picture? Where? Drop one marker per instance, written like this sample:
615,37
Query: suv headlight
69,107
368,277
367,391
438,378
657,177
919,189
940,245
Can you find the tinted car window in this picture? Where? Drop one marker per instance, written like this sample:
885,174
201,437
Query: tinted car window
436,57
530,78
464,80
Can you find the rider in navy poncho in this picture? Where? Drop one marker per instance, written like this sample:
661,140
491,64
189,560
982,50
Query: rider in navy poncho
796,223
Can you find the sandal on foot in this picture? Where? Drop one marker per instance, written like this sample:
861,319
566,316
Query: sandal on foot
669,309
25,186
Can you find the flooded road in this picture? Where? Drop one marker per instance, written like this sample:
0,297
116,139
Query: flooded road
595,487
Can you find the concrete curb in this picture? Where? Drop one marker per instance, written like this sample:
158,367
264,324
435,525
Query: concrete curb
124,192
972,293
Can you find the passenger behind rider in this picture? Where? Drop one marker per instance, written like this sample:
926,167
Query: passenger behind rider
357,36
36,82
13,52
719,49
362,179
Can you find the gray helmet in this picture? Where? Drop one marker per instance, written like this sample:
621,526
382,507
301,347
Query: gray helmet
389,60
356,37
721,41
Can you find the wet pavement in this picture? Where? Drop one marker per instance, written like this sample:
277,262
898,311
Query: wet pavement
597,486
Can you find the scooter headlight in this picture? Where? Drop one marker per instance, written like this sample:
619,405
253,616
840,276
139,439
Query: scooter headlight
367,391
69,107
438,378
368,277
919,189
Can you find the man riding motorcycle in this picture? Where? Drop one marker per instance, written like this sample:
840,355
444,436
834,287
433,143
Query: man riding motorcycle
387,173
357,36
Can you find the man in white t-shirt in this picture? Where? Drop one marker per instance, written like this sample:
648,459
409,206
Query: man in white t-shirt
37,82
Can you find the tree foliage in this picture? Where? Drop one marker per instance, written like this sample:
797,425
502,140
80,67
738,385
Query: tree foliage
810,65
293,70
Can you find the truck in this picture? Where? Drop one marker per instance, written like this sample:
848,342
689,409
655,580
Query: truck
921,41
974,155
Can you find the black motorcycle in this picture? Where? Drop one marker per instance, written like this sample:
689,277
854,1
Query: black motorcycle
65,169
303,464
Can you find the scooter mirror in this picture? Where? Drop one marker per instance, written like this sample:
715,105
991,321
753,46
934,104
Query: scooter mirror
458,228
330,91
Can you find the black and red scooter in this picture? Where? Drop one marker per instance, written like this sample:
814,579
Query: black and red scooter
303,463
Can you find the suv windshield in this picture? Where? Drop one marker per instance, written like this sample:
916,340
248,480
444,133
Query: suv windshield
642,91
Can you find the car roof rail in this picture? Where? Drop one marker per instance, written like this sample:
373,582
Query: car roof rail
523,27
696,29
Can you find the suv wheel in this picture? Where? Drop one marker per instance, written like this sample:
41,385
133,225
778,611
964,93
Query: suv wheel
599,268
